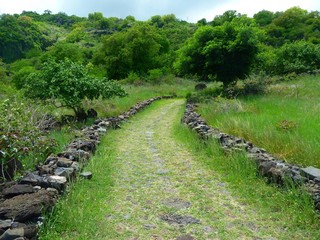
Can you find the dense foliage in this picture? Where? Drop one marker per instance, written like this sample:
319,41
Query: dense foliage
137,49
68,60
230,46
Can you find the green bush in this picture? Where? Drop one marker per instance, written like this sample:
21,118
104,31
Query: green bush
297,57
133,78
21,140
155,75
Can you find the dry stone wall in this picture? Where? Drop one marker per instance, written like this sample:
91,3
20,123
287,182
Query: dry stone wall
273,169
23,202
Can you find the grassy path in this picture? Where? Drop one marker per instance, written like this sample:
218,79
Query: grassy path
160,192
146,185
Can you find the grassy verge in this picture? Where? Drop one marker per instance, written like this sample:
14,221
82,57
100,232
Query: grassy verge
79,211
282,121
291,210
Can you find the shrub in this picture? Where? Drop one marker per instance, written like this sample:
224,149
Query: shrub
21,141
132,77
297,57
155,75
254,84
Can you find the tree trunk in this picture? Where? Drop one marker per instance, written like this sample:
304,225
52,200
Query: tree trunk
80,114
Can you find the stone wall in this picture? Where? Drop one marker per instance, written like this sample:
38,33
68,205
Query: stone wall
273,169
23,202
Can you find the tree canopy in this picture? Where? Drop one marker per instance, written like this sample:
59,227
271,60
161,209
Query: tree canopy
222,48
134,50
225,52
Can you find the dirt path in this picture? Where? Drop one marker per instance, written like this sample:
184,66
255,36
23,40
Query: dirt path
161,192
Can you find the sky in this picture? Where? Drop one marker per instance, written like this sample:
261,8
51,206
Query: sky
189,10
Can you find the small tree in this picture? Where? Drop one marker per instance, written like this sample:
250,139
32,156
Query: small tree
66,84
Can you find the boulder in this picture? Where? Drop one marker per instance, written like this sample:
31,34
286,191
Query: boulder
75,155
12,234
86,175
57,182
200,86
34,179
64,162
17,189
4,225
22,231
310,172
27,206
64,172
88,146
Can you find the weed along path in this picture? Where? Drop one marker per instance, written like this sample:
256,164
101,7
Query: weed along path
160,192
156,189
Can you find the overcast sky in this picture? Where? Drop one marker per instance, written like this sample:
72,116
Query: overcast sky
190,10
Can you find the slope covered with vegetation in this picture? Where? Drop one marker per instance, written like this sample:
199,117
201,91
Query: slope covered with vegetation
75,63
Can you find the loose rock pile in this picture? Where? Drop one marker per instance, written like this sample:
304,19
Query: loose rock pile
23,202
274,170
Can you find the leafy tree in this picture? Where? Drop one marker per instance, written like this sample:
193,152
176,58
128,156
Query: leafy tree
60,19
136,49
298,57
66,84
313,30
227,16
287,27
263,17
97,16
225,52
202,22
157,21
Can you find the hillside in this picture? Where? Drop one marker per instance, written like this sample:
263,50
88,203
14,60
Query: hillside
68,82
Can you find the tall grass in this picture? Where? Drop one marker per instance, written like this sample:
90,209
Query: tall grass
284,121
291,210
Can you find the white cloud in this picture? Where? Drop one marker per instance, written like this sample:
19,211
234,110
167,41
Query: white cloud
18,6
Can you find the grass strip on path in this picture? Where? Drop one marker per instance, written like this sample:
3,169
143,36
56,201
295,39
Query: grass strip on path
149,185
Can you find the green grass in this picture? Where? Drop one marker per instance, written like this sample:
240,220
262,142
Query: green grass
62,137
115,106
79,211
291,210
85,212
284,121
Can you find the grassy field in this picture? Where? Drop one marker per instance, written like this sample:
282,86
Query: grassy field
285,121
